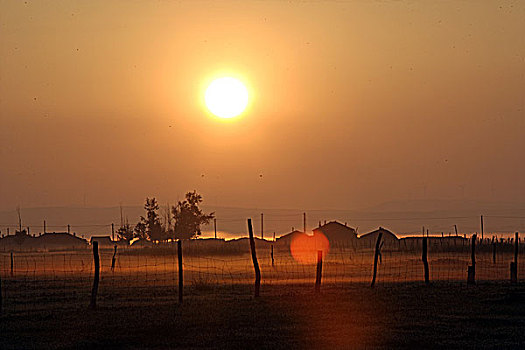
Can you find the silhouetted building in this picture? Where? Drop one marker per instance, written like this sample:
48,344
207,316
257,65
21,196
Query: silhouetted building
336,232
433,242
289,237
48,241
19,241
60,241
103,241
140,243
369,239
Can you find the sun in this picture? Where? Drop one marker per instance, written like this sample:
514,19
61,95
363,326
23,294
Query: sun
226,97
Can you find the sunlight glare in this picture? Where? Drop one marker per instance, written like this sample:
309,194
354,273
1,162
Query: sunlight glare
226,97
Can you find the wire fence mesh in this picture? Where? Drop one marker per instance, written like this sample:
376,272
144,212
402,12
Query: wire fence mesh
32,281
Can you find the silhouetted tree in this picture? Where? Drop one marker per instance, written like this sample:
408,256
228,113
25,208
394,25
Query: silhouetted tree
140,230
188,217
125,232
149,227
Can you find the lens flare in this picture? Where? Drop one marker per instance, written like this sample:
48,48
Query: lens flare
304,248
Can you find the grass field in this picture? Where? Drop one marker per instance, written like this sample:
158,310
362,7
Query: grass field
45,302
406,316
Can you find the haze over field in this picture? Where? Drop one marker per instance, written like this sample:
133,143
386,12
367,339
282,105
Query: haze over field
402,217
353,103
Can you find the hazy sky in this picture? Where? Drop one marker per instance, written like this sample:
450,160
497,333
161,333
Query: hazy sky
353,102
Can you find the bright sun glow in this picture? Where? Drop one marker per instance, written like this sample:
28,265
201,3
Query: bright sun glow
226,97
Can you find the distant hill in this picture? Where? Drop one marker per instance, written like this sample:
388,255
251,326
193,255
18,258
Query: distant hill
401,217
440,205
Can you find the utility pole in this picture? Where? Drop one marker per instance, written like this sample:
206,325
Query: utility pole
44,226
19,219
112,232
121,218
456,229
215,226
481,228
304,222
262,226
68,229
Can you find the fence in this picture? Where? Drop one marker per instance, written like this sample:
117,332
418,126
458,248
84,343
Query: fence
35,281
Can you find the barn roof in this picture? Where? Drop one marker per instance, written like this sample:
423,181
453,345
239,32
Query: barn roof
376,232
334,225
290,235
335,231
60,236
103,240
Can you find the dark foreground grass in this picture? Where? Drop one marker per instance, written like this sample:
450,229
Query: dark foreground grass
284,317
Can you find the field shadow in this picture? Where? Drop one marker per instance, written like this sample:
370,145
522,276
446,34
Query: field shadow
287,317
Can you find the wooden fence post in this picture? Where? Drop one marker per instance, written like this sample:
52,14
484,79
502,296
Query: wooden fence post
181,279
471,272
425,260
113,258
254,259
271,253
494,250
12,264
94,291
376,256
514,264
319,271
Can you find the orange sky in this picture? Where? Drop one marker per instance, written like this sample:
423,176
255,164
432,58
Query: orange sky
354,103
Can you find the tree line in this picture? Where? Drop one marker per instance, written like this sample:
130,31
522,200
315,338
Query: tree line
183,221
